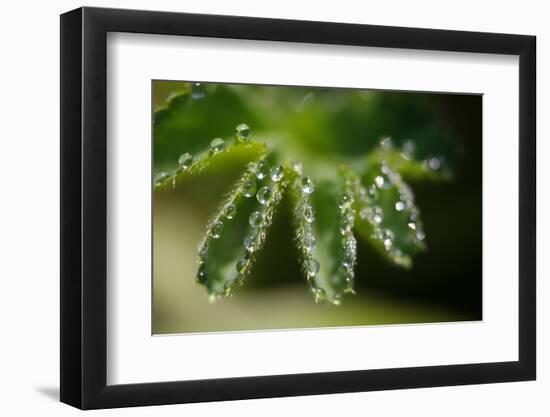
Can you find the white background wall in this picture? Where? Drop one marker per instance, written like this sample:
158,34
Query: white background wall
29,226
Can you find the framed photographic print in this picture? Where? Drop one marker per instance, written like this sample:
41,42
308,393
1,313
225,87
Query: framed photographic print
257,208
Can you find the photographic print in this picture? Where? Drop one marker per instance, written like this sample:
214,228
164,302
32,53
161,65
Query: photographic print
362,189
296,207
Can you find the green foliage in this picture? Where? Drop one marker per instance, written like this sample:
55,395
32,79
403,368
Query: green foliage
184,124
327,150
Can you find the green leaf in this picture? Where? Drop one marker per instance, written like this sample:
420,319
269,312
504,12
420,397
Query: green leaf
387,214
187,124
404,160
191,165
239,228
324,220
323,129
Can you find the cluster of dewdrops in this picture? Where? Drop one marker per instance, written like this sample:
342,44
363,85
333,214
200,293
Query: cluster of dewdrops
257,173
305,216
348,242
368,209
260,218
373,213
247,188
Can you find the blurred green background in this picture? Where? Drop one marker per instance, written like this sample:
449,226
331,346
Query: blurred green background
322,128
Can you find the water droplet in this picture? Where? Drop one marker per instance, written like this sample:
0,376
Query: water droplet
347,262
319,294
255,219
420,235
276,173
307,185
309,242
434,163
313,267
201,274
309,215
230,211
261,169
217,145
386,143
297,167
249,188
249,242
388,243
345,202
349,287
198,91
160,177
411,222
263,195
397,255
350,245
242,132
382,182
185,161
377,218
400,206
243,263
217,229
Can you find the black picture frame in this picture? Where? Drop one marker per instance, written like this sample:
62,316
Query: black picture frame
84,207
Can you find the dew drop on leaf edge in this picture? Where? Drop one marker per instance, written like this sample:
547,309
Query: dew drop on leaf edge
309,216
307,185
201,274
217,230
434,163
276,173
255,219
217,145
249,242
382,182
242,132
309,241
230,211
263,195
162,175
262,169
318,294
249,188
198,91
313,267
185,160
